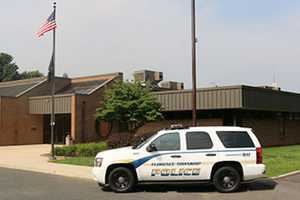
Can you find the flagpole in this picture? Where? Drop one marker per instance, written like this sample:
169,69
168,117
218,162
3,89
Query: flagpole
52,157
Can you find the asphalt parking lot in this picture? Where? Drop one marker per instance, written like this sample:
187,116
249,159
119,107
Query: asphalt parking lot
23,185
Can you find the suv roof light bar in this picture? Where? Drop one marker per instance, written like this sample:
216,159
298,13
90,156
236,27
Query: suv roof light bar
177,126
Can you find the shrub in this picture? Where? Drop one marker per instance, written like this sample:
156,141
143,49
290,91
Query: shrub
90,149
83,150
60,151
70,150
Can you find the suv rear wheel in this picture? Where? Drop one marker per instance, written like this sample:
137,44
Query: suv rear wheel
227,179
121,179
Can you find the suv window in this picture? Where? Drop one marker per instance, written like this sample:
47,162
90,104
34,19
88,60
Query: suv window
167,142
198,140
235,139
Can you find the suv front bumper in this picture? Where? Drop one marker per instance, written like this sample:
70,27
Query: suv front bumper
99,175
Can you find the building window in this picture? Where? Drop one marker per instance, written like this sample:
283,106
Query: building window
198,140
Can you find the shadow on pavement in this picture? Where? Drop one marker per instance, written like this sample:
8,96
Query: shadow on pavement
265,184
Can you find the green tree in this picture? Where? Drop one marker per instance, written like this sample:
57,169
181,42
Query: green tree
8,69
129,103
31,74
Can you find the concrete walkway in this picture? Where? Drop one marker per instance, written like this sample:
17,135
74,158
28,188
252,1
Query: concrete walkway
34,158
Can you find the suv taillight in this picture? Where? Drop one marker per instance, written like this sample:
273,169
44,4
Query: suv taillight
259,155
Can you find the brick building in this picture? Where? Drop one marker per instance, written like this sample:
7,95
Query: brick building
273,114
25,108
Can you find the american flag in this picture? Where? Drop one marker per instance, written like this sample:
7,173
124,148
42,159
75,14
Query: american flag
49,25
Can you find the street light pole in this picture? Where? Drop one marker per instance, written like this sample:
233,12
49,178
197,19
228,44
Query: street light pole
194,65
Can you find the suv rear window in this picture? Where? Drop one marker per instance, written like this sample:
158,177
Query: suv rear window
235,139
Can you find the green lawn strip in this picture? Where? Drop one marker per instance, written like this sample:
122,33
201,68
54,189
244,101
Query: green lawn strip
83,161
282,160
279,160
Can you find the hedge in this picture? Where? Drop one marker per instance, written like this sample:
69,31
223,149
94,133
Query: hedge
82,150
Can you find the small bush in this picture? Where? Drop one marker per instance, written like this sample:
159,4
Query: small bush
60,151
70,150
82,150
91,149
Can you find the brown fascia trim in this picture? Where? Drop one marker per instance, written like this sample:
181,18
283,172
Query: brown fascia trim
96,77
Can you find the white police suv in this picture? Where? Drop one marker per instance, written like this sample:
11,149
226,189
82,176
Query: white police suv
224,156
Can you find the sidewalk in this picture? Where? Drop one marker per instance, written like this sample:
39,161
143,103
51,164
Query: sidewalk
34,158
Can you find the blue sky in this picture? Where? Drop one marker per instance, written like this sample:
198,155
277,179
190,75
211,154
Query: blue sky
240,41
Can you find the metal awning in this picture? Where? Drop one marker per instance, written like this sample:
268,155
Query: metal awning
207,99
42,104
231,97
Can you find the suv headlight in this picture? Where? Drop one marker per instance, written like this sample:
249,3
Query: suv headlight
98,162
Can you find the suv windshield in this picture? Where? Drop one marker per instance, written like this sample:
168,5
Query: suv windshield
142,142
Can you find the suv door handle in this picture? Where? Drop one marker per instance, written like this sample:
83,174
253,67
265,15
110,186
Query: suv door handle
176,156
211,154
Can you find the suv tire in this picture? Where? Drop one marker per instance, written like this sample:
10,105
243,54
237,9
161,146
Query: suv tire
227,179
121,180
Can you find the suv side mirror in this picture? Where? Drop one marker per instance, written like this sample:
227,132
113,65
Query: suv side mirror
151,148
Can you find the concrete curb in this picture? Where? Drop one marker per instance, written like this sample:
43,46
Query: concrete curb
286,175
89,177
86,175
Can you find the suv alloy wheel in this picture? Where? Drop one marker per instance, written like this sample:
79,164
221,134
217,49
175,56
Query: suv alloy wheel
121,180
227,179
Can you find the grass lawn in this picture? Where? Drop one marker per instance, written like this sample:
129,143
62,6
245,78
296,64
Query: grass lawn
84,161
279,160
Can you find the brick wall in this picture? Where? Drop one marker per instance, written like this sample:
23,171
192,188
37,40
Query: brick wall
292,135
85,114
17,126
274,131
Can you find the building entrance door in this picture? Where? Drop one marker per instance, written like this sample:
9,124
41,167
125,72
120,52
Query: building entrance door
62,128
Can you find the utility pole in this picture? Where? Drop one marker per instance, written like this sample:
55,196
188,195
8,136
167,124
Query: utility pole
194,65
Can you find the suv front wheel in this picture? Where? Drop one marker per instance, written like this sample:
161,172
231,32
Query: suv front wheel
227,179
121,179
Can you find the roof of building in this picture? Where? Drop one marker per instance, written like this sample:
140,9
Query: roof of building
17,88
87,85
84,88
81,85
231,97
63,97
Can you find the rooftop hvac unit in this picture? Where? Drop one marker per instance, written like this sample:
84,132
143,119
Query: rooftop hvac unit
152,77
172,85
